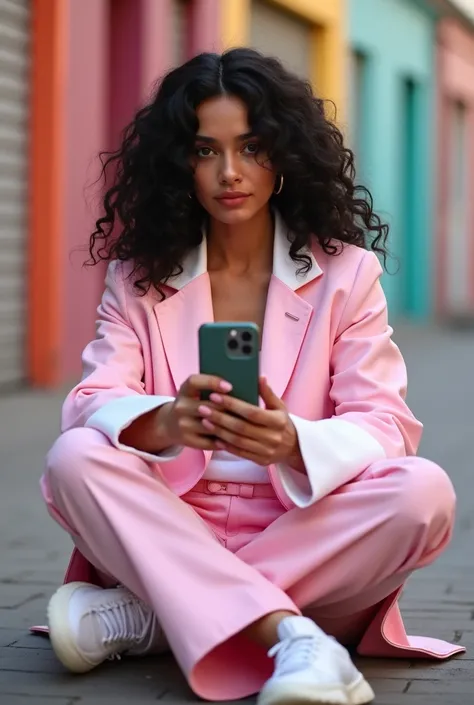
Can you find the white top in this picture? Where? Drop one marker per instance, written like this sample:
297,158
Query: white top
226,467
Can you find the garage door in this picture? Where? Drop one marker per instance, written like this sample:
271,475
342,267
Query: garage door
278,33
14,49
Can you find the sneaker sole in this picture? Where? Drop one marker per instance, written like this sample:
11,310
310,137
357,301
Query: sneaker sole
60,634
358,693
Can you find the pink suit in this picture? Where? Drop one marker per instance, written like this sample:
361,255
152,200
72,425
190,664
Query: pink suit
334,542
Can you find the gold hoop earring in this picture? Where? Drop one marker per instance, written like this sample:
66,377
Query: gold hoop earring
280,186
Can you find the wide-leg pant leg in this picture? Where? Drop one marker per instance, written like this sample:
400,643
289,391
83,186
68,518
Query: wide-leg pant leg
356,546
349,551
139,531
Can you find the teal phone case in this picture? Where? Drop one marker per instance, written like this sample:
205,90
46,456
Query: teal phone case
237,362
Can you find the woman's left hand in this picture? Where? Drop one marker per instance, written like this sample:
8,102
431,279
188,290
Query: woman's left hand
264,436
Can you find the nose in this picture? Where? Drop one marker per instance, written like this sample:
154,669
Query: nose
230,172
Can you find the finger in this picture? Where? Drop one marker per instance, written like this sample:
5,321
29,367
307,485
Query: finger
190,408
201,443
204,383
246,445
269,397
235,424
253,414
193,427
256,458
196,436
261,438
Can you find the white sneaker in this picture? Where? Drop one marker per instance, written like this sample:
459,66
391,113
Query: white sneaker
88,625
311,667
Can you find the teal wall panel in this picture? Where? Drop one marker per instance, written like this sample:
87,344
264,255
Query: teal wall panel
395,154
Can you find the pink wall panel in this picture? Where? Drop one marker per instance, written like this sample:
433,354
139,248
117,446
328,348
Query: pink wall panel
85,131
204,32
155,42
455,84
124,66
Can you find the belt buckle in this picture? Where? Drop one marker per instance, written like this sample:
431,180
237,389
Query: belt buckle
214,487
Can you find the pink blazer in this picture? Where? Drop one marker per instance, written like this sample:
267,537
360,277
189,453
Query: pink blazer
326,351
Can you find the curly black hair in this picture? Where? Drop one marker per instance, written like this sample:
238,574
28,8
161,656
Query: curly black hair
148,217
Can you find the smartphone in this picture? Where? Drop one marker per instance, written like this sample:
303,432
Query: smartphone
231,351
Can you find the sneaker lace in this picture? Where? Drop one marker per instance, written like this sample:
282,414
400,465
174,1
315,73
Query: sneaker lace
123,623
295,654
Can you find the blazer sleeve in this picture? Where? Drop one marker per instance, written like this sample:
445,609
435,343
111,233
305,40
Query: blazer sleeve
371,420
111,394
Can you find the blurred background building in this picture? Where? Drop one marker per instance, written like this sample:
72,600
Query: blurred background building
72,73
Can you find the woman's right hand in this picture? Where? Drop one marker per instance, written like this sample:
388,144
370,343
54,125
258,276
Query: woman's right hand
179,423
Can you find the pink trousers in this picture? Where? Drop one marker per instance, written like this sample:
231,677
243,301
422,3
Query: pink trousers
210,565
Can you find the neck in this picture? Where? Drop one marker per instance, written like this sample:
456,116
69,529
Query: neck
243,247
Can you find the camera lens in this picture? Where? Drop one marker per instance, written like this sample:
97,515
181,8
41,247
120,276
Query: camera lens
246,336
247,349
232,344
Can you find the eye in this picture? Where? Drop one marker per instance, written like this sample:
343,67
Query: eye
251,148
204,152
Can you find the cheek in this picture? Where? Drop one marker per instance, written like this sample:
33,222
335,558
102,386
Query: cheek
264,180
203,179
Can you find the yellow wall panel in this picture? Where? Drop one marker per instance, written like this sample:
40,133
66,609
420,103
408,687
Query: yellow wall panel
317,11
235,23
329,51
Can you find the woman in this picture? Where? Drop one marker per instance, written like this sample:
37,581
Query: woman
222,526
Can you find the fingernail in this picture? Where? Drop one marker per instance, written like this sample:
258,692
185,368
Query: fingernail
225,386
220,445
216,398
208,425
204,410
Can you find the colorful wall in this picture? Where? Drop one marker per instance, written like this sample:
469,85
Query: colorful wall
93,63
401,73
392,51
454,209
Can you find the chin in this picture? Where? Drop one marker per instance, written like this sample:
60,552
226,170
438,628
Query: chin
233,217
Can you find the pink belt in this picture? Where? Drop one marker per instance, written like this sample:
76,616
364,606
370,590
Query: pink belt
234,489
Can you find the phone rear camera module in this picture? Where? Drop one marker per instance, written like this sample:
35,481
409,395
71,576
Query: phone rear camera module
246,336
232,344
247,349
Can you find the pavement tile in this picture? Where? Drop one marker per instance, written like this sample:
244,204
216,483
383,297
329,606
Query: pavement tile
9,636
387,684
24,640
15,596
33,699
134,683
456,686
421,699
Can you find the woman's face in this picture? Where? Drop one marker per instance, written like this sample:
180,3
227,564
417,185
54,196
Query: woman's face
233,179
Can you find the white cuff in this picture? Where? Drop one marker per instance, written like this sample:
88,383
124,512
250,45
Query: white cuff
334,451
118,414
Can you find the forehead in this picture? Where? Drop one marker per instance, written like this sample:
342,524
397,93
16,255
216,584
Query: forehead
224,117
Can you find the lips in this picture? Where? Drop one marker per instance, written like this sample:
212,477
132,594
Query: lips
233,199
232,195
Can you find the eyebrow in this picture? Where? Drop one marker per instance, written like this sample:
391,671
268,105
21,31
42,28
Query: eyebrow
211,140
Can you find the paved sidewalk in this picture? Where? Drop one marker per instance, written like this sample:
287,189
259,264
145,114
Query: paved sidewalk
438,602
